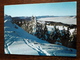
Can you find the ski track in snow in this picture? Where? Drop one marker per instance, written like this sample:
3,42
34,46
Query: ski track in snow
36,47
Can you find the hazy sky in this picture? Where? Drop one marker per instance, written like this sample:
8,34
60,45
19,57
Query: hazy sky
56,9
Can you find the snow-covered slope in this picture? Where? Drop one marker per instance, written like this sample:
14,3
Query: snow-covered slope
18,41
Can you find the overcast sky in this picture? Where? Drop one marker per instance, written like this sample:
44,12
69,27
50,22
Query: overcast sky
55,9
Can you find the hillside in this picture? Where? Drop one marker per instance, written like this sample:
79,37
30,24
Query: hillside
18,41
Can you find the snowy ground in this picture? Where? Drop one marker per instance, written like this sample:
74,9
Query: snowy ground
18,41
65,19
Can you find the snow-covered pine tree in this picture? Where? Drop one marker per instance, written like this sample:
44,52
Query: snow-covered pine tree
45,33
38,30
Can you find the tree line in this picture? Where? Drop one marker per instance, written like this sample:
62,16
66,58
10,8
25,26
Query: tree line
56,36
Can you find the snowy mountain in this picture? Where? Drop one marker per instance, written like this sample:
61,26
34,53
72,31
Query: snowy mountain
18,41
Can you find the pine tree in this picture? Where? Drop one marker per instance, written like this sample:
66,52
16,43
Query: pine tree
45,33
38,30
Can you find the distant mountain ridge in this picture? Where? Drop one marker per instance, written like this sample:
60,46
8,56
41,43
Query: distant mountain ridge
24,17
51,16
